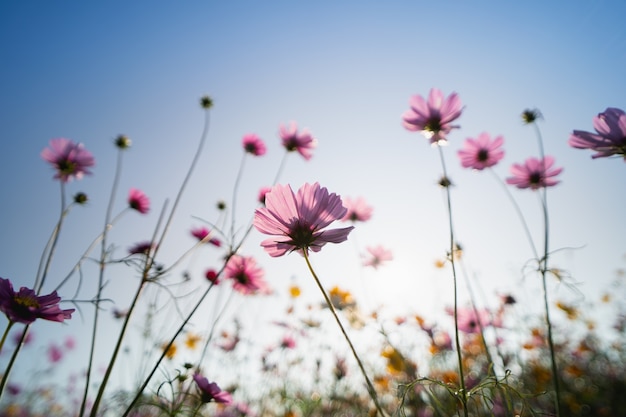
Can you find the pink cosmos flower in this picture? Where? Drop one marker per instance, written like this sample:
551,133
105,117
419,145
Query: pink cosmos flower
254,145
210,391
288,342
469,321
137,200
302,142
611,137
141,248
433,118
378,255
25,306
70,343
482,152
55,354
534,173
201,234
246,275
358,210
296,221
69,159
262,192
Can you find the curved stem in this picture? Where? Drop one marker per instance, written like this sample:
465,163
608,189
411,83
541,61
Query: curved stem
234,200
370,386
456,308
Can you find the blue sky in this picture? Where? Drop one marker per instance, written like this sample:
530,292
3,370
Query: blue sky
90,71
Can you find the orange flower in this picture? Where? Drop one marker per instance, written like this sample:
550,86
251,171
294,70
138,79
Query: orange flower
169,352
192,340
294,291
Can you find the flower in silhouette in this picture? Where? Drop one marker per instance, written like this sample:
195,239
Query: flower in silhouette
377,256
293,140
141,248
296,221
246,275
610,139
202,233
137,200
70,159
25,306
254,145
433,117
210,391
482,152
534,173
357,210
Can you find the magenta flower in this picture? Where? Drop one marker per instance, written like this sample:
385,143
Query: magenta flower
137,200
201,233
262,192
25,306
141,248
358,210
534,173
246,275
302,142
210,391
55,354
377,256
433,118
611,137
296,221
482,152
254,145
69,159
288,342
212,276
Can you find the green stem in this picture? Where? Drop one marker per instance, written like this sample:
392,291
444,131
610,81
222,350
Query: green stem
370,386
456,308
6,332
7,371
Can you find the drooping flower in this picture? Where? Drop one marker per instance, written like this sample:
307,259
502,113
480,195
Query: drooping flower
611,137
141,248
70,159
262,192
210,391
138,200
303,142
377,256
254,145
357,210
482,152
297,221
246,275
433,118
25,306
201,233
534,173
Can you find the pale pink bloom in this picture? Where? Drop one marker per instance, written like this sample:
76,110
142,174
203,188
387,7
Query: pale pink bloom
358,210
201,233
377,256
70,343
534,173
611,137
55,354
468,321
254,145
262,192
70,159
139,201
246,275
482,152
296,221
433,118
210,391
302,142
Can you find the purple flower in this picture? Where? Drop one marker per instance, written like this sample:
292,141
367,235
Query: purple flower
254,145
378,255
433,117
69,159
246,275
302,142
201,233
482,152
534,173
296,221
141,248
137,200
611,137
357,210
25,306
210,391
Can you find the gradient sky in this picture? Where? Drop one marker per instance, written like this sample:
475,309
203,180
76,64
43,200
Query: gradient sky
89,71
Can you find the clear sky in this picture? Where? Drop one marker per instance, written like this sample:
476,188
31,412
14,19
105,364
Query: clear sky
89,71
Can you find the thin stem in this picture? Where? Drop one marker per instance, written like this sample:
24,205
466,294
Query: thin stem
280,168
456,308
234,200
6,332
7,371
102,263
370,386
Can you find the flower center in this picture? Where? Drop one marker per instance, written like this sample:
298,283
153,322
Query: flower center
250,148
301,235
433,125
66,166
26,301
291,145
242,278
482,155
535,178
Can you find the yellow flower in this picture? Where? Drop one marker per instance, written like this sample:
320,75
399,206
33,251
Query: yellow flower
341,299
570,311
439,263
192,340
169,352
294,291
